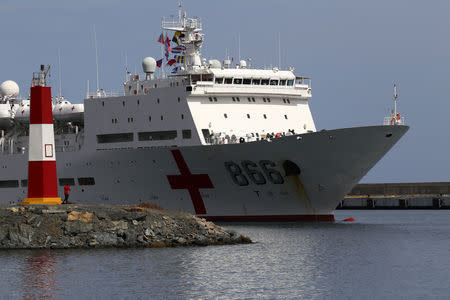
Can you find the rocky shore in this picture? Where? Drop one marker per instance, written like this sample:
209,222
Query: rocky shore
90,226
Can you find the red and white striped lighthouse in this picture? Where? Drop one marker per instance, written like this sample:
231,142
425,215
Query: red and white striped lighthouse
42,181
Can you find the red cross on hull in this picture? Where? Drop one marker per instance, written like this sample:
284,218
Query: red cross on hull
189,181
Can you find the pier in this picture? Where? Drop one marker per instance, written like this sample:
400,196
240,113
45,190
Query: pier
414,195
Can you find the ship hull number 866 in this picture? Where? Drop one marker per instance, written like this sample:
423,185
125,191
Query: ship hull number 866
248,171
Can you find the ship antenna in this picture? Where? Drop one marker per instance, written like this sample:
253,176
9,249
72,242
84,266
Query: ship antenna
59,73
395,99
279,54
239,47
180,5
96,55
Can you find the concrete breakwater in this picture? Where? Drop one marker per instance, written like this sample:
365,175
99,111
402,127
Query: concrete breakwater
89,226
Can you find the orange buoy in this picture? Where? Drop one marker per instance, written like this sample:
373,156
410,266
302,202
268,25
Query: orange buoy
349,220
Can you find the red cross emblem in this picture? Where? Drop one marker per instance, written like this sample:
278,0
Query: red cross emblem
191,182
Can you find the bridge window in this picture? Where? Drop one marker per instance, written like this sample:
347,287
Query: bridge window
282,81
86,181
253,99
238,100
268,99
234,99
114,138
237,81
219,80
210,99
290,82
215,99
247,81
288,101
273,82
9,183
157,135
66,181
228,80
264,81
256,81
249,100
186,133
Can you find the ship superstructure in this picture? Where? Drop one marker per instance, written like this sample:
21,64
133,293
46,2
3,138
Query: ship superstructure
224,142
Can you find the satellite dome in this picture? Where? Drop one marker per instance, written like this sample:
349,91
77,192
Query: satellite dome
215,64
9,89
242,64
149,65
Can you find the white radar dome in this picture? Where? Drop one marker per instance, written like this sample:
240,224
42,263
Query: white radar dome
149,65
9,89
242,64
215,64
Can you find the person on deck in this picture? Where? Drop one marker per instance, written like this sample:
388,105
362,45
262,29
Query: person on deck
66,194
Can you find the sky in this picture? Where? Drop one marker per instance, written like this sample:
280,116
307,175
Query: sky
354,51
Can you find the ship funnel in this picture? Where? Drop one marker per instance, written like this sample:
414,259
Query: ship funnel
149,67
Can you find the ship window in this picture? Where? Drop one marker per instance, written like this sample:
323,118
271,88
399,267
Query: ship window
149,118
138,102
237,81
210,99
238,100
256,81
206,135
123,103
289,102
268,99
86,181
246,81
157,100
142,87
248,116
257,134
234,100
215,99
186,133
178,98
290,82
182,117
265,117
253,99
66,181
24,182
249,100
273,82
282,81
114,138
285,116
225,115
228,80
284,100
9,183
103,103
162,118
129,88
264,81
157,135
177,83
219,80
264,99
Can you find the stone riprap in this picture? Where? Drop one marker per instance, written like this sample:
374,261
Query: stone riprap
90,226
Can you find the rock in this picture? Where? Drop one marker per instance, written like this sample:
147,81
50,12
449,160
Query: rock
78,216
92,226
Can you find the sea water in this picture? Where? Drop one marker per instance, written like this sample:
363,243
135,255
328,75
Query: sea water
382,255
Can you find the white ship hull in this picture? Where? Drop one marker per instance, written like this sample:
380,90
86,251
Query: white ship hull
331,163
